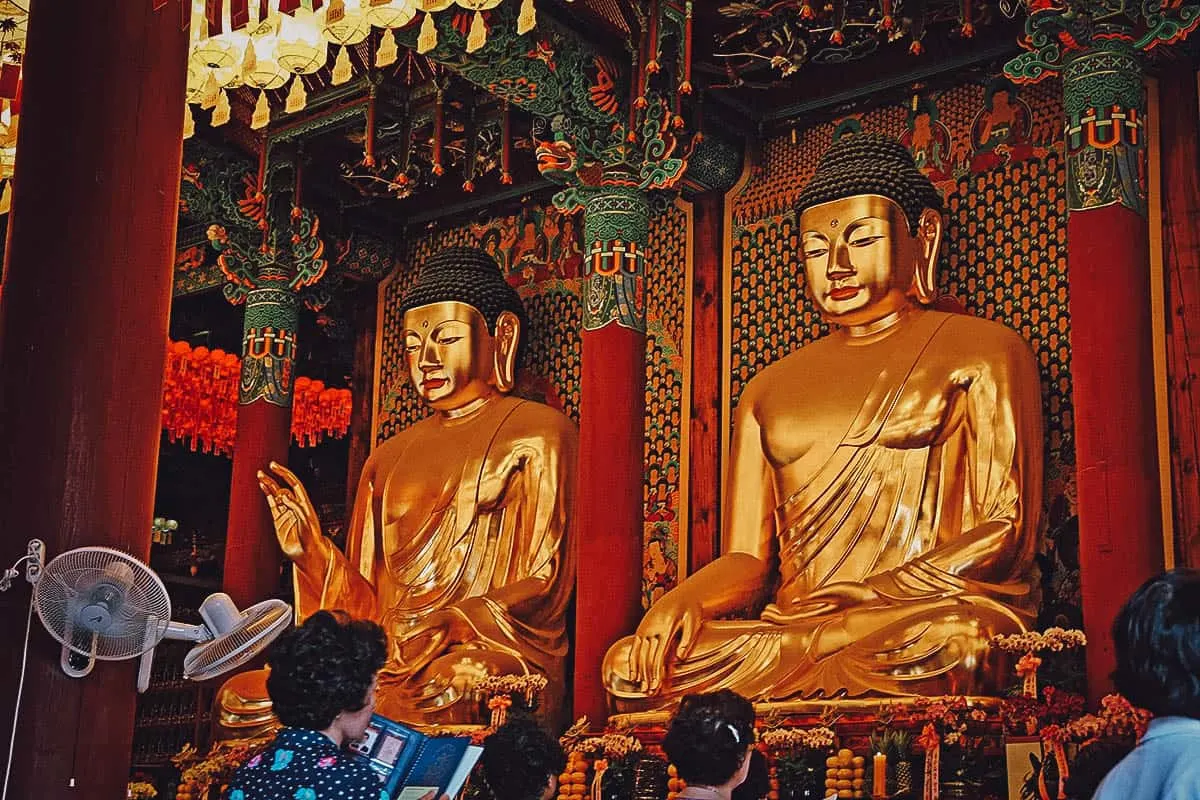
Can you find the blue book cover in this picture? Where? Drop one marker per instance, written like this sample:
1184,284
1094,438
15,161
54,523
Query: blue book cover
411,765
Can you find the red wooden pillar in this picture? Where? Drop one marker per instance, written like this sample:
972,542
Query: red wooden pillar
365,315
704,469
1181,237
83,339
1120,539
264,424
612,411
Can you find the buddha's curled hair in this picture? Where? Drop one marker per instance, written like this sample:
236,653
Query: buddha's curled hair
471,276
871,163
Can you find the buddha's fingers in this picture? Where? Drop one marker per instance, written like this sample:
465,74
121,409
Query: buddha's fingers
268,484
654,664
689,630
288,476
635,662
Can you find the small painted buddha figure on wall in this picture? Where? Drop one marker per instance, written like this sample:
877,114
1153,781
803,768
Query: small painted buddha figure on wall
881,510
460,539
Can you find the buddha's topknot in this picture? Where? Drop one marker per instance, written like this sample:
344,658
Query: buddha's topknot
871,163
466,275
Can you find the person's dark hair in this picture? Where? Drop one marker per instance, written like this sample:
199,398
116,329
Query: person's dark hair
1092,764
520,758
322,668
758,780
871,163
708,737
1157,639
467,275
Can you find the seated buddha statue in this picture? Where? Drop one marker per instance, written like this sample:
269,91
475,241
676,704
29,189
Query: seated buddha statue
881,508
460,539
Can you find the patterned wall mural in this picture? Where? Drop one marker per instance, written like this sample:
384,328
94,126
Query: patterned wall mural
996,154
541,252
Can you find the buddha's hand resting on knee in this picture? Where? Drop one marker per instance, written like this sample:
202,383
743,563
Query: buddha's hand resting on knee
670,626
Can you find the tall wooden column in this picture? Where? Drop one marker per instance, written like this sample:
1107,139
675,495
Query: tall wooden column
264,432
1112,366
704,468
1181,238
83,339
612,413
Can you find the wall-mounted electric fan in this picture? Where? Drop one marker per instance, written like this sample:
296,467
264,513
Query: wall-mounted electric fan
102,604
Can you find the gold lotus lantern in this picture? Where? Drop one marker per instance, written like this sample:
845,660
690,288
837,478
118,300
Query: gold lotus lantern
299,49
427,38
477,35
389,14
345,24
262,70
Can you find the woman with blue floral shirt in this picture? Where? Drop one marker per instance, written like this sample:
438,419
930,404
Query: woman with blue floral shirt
322,687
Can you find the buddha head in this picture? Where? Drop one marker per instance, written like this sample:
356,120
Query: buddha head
870,225
462,328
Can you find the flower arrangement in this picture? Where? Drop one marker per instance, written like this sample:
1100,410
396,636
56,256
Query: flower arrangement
200,775
1022,715
528,686
1030,643
780,739
140,790
1117,718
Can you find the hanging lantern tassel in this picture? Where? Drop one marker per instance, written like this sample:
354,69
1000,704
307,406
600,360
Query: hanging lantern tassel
210,92
438,120
388,53
686,86
369,133
297,98
505,146
427,39
221,111
600,767
652,54
887,23
477,36
526,18
837,38
249,61
968,21
189,124
342,71
932,743
262,112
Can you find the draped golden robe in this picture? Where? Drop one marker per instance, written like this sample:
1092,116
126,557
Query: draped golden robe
902,475
471,516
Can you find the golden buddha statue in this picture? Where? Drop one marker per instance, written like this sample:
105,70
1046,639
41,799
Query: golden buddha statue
882,499
460,539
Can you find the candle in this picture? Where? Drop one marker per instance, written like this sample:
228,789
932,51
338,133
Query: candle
879,777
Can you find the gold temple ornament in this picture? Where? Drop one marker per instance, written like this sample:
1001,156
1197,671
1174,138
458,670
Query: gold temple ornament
271,47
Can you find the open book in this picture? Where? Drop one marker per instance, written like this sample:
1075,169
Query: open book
411,764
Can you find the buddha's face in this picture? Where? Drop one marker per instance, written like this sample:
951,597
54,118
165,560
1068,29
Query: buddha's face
861,258
450,354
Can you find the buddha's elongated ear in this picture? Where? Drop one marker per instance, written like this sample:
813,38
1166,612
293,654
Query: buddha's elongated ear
508,337
929,241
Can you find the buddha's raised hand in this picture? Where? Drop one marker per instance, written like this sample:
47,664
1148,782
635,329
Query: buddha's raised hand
296,524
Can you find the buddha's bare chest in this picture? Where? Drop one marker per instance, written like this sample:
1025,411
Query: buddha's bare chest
818,404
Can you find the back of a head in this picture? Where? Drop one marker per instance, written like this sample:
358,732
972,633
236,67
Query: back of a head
708,737
758,780
520,758
1157,638
322,668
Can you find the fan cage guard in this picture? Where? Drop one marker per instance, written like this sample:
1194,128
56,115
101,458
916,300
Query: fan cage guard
262,622
138,623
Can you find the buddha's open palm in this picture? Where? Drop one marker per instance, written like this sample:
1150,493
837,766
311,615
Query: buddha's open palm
296,524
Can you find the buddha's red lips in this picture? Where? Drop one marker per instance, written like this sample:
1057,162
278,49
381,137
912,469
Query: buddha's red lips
433,383
844,292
